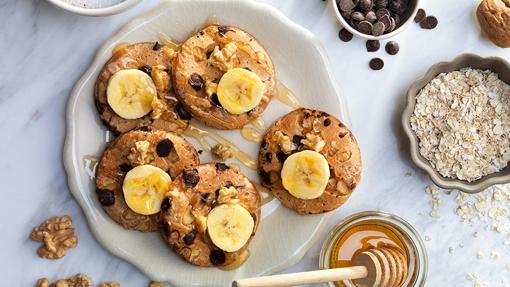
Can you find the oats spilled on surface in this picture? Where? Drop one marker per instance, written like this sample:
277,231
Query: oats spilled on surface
462,121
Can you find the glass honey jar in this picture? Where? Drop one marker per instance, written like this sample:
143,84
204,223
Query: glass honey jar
366,230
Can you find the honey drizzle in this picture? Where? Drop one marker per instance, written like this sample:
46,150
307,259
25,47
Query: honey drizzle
168,41
254,133
268,195
284,95
90,163
201,133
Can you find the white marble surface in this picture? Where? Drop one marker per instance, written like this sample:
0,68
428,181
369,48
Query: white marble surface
45,50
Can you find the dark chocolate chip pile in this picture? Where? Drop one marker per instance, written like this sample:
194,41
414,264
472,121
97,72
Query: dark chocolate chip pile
373,17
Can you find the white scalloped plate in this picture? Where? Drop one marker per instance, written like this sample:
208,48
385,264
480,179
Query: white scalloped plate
301,63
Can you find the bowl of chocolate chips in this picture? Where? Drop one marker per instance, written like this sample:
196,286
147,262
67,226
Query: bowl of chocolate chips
375,19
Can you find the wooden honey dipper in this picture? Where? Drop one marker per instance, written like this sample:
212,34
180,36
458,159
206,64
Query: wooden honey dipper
377,267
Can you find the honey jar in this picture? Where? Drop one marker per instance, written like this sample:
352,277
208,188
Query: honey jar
374,229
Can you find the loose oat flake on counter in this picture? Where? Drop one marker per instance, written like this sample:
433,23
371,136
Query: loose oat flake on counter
462,121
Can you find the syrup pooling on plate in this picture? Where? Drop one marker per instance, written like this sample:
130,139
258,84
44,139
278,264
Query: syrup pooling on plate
166,40
255,133
264,193
201,133
90,164
284,95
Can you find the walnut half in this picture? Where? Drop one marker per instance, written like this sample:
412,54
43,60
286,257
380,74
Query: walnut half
57,235
78,280
222,151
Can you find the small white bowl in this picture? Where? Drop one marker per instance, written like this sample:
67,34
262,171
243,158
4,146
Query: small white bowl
406,22
109,10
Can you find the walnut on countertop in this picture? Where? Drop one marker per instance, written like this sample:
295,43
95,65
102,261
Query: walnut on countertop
57,235
156,284
78,280
222,151
109,284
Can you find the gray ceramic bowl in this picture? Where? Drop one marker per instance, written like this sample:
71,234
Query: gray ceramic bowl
495,64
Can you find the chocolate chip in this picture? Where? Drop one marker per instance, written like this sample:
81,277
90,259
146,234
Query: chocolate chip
222,30
106,197
365,5
189,238
125,167
200,151
166,204
345,35
376,64
269,157
392,47
182,113
215,100
156,46
281,156
371,17
365,27
296,139
358,16
220,166
166,229
265,176
327,122
204,196
393,24
346,15
208,53
381,4
164,148
346,5
382,12
145,69
386,21
430,22
217,257
397,6
420,15
196,81
378,29
190,177
373,45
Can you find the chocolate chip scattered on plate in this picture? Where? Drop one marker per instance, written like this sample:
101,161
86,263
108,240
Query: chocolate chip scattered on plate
373,45
420,15
378,29
430,22
392,47
345,35
376,64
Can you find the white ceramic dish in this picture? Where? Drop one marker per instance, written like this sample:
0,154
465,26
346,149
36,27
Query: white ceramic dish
96,7
408,19
301,63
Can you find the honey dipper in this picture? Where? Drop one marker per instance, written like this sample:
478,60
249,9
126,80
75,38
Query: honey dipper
377,267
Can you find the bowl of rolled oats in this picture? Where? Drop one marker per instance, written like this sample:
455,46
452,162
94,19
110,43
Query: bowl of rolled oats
457,119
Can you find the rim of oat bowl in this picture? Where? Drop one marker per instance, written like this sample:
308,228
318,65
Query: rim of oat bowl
495,64
110,10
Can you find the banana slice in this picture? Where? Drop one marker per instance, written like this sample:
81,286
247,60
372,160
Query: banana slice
130,93
229,226
240,90
145,187
305,174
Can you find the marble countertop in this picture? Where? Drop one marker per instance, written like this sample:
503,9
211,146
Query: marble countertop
45,50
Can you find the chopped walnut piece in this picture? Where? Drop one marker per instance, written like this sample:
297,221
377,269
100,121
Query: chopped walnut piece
314,142
282,141
78,280
210,88
201,223
57,235
226,194
188,217
222,59
109,284
168,52
156,284
222,151
160,77
158,108
139,153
